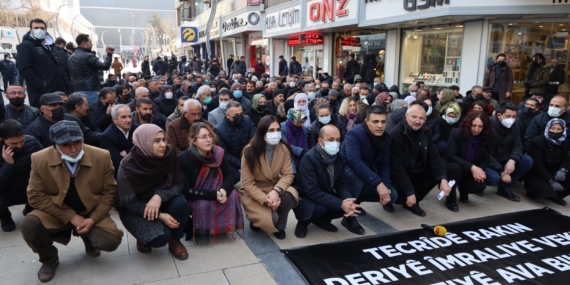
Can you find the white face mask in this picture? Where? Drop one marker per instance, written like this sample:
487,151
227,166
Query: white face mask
273,138
311,95
331,148
213,90
70,159
325,120
508,122
554,112
318,86
430,109
39,34
414,94
224,105
450,120
291,84
168,95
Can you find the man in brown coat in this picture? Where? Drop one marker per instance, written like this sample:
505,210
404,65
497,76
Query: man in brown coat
538,76
117,67
177,131
500,78
71,188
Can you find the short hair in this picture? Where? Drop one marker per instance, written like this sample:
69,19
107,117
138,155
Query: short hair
111,74
533,99
233,104
499,55
539,56
140,90
565,100
59,40
143,101
189,102
81,38
11,128
69,46
74,100
225,92
105,91
376,109
503,107
115,110
37,20
272,84
323,106
309,85
153,80
476,86
364,88
454,87
183,98
202,89
420,103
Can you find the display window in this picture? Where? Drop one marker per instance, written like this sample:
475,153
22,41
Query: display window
308,50
521,40
362,43
431,55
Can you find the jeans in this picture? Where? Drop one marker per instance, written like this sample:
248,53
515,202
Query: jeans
92,96
177,207
7,81
365,192
521,168
441,147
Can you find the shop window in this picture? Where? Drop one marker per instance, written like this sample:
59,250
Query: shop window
520,41
363,44
431,55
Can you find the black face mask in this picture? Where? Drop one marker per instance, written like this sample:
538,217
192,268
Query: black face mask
502,63
237,119
17,102
554,136
259,90
261,108
325,92
177,86
57,114
198,84
528,111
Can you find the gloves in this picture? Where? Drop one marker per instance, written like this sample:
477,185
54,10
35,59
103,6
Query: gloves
560,175
556,186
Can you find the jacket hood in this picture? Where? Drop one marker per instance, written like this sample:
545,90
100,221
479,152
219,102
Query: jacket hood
29,37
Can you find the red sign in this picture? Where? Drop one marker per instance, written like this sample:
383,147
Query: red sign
350,41
325,10
307,39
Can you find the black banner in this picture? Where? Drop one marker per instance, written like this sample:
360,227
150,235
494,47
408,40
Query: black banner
530,247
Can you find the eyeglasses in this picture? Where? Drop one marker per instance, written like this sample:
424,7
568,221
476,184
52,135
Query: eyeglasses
17,93
205,137
195,114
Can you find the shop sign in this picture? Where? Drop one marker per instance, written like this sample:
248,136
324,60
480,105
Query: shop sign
306,39
350,41
560,1
254,2
214,31
256,39
283,19
241,22
413,5
323,10
188,34
9,34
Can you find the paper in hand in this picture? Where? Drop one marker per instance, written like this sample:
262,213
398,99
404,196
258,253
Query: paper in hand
442,194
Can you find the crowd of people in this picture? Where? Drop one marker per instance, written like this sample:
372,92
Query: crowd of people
185,153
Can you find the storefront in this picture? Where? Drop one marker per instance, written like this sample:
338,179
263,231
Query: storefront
260,49
365,44
308,50
280,22
235,30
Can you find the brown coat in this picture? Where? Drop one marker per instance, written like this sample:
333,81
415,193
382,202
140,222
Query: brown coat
117,66
94,181
177,133
505,81
256,185
539,80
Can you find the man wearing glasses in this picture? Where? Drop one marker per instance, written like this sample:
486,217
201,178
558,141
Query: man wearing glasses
177,132
16,109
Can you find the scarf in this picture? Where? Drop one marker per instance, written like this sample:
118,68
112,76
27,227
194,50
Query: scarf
447,99
472,148
329,161
351,121
255,102
295,133
210,176
304,108
379,143
552,141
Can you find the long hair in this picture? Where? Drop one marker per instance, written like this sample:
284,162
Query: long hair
486,133
343,110
256,147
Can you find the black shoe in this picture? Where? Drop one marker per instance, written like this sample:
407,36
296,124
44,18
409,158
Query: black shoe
416,210
327,226
558,201
280,234
301,229
362,212
464,199
480,194
254,228
452,206
7,223
27,209
352,225
388,208
508,194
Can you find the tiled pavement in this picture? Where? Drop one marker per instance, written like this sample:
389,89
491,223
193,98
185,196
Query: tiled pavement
253,260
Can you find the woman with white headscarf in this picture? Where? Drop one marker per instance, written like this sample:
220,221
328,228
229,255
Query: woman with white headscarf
302,103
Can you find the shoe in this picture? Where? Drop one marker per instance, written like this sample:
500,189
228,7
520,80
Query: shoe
47,271
362,212
452,206
301,229
254,228
143,248
327,226
480,194
7,223
89,249
416,210
27,209
352,225
280,234
388,208
558,201
177,249
508,194
464,199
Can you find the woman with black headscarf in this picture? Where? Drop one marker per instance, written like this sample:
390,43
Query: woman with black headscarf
258,109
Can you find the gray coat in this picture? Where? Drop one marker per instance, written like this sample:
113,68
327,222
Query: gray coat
216,116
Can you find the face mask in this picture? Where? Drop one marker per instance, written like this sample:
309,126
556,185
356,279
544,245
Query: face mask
237,94
177,86
554,112
502,63
311,95
331,148
291,84
168,95
555,136
508,122
70,159
208,100
237,119
223,105
325,120
414,94
261,108
325,92
318,86
17,102
450,120
39,34
198,84
57,114
273,138
206,81
528,111
213,90
430,109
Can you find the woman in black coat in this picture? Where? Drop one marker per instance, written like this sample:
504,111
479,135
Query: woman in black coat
550,153
258,109
469,146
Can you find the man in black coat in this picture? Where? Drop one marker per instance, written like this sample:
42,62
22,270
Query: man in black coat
352,68
159,67
507,151
145,66
15,168
118,137
415,164
100,112
78,106
324,187
63,56
295,67
7,70
557,77
38,63
229,62
558,109
530,110
239,66
16,109
282,66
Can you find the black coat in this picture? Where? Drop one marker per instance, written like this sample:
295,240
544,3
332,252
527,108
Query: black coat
97,114
7,68
557,77
229,63
255,116
506,144
14,178
352,68
145,67
314,186
160,67
191,169
445,129
295,68
84,69
282,66
39,129
395,118
233,139
316,126
525,120
24,116
538,124
115,141
404,157
164,107
547,160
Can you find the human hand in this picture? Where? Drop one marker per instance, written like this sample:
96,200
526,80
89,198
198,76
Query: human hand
77,220
85,226
350,208
222,196
109,108
478,174
272,199
110,50
168,220
444,186
508,95
8,154
384,193
411,200
152,208
510,166
561,175
123,153
505,177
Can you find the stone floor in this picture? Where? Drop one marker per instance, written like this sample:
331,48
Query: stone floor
254,259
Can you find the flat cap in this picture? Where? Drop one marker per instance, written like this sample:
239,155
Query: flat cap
487,89
539,93
50,99
64,132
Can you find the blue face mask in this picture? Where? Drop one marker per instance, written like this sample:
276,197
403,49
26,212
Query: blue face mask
237,94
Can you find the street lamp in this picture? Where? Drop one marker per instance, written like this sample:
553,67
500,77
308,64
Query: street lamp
56,26
132,30
120,40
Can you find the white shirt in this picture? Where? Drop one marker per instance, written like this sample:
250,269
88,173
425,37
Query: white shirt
124,133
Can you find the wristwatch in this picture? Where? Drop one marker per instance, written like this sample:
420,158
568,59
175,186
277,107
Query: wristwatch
279,190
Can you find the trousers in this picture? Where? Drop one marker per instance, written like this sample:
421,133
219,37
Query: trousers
424,182
177,207
279,216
